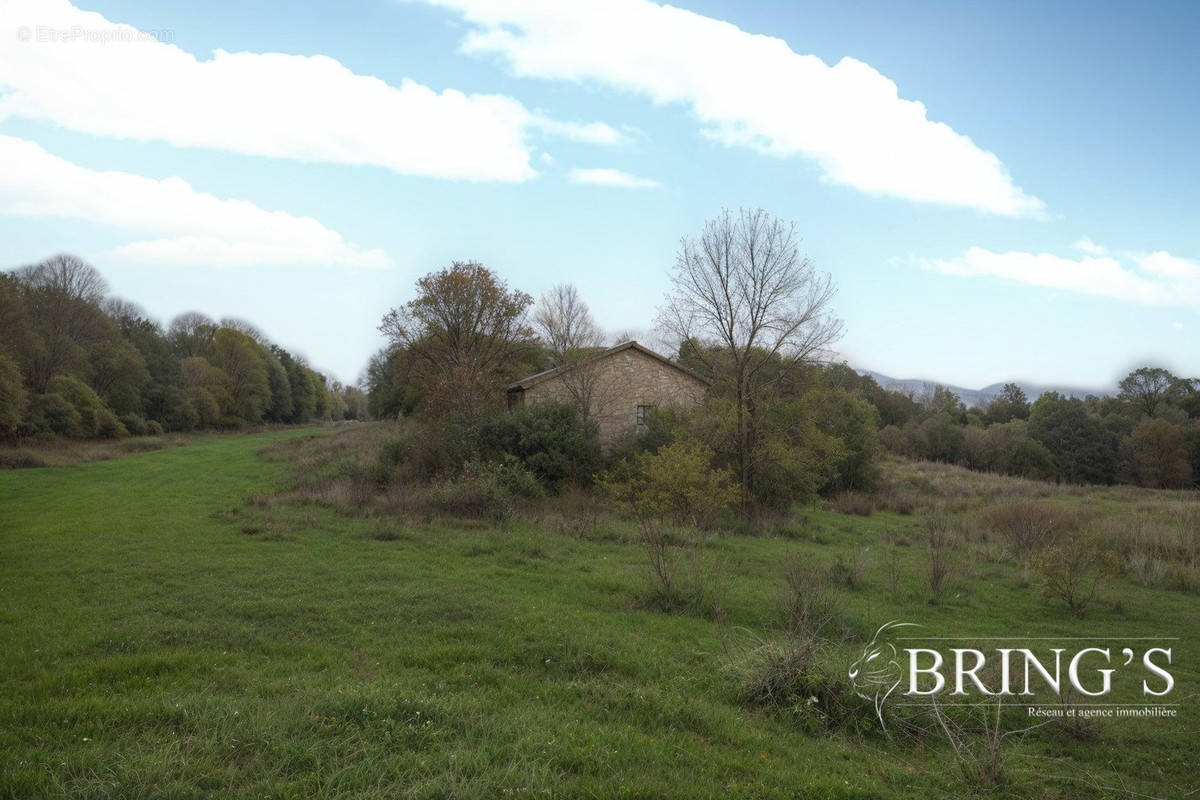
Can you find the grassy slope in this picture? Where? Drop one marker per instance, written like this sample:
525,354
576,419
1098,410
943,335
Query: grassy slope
160,636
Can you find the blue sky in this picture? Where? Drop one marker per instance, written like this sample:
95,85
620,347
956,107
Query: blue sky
1035,219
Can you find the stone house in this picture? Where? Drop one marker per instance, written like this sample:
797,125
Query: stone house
618,387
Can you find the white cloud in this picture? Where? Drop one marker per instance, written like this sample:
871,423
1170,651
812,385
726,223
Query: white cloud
1091,248
1156,279
751,91
586,132
190,227
603,176
310,108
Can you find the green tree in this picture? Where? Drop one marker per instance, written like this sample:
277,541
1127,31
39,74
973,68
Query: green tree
14,400
938,438
1010,404
117,372
95,418
942,400
1084,450
465,329
393,384
281,404
1149,390
1158,455
240,358
844,415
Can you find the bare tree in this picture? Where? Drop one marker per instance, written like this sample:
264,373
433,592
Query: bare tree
249,328
573,338
753,306
66,276
123,311
191,332
565,323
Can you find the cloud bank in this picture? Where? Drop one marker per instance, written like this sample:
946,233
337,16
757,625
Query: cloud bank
310,108
750,91
191,227
1155,279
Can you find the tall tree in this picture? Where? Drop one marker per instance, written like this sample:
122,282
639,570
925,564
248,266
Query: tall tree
246,379
743,288
1157,455
571,338
565,323
466,328
1084,450
191,333
1012,403
1149,389
63,295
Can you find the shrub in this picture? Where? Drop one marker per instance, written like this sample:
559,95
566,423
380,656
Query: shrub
663,426
418,453
552,440
95,418
673,488
135,424
810,604
677,483
20,459
894,440
1074,569
1025,527
789,677
852,503
847,571
939,438
52,413
937,533
485,490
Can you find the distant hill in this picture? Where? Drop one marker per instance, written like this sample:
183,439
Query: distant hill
978,397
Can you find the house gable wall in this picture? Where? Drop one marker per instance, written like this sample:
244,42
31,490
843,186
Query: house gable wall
623,381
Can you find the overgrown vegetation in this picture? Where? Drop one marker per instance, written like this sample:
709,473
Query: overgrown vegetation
1148,435
311,608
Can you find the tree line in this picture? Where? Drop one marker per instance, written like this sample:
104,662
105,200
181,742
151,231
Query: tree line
77,362
1148,434
745,310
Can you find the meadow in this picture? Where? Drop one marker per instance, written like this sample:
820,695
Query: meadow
242,616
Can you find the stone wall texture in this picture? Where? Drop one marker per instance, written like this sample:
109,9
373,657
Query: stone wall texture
620,383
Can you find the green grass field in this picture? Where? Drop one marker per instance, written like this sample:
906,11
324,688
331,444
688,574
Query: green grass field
168,630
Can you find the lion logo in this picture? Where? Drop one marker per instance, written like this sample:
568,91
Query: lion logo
877,672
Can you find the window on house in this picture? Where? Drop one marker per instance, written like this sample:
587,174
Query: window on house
642,413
